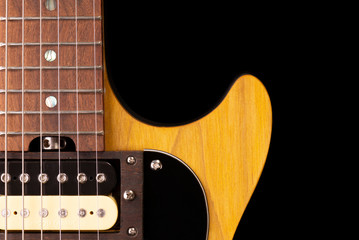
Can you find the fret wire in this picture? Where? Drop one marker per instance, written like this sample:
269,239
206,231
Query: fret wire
51,18
53,44
51,112
53,91
52,68
53,133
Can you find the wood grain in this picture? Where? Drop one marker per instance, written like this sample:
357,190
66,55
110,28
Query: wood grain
227,149
54,78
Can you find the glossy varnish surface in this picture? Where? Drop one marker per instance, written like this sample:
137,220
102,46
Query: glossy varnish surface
227,148
52,79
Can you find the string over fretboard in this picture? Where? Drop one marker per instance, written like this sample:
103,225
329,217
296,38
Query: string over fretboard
67,56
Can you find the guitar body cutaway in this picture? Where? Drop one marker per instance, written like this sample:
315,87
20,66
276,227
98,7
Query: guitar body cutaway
226,149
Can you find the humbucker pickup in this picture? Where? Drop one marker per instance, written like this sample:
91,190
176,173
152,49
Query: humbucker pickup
73,181
88,191
69,212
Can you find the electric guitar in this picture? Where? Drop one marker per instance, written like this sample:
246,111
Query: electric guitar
76,164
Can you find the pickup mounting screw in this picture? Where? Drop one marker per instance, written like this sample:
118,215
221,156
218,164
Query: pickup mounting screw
43,178
132,231
129,195
82,178
24,178
62,178
100,178
131,160
156,165
7,178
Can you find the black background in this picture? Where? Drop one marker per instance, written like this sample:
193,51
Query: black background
172,62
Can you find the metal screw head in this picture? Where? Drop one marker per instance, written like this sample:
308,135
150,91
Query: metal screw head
24,177
82,178
62,213
5,177
62,178
82,213
131,160
5,212
101,177
101,213
43,178
132,231
43,213
156,165
25,212
129,195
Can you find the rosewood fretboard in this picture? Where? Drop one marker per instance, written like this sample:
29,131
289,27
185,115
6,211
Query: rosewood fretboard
77,81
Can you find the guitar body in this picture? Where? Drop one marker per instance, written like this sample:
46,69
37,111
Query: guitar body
226,149
77,163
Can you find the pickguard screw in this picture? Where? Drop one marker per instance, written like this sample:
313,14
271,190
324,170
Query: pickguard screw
132,231
100,178
131,160
101,213
62,178
7,178
156,165
62,213
129,195
82,178
43,178
24,177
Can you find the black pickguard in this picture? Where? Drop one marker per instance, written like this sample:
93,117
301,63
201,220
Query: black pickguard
175,206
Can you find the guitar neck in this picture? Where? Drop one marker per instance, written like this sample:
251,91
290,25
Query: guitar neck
51,73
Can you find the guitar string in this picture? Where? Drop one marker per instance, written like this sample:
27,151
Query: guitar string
59,107
40,143
95,87
6,108
77,122
22,118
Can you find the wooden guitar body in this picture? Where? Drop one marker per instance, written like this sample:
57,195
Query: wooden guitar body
226,149
64,135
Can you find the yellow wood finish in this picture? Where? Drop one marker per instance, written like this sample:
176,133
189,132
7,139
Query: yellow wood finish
227,148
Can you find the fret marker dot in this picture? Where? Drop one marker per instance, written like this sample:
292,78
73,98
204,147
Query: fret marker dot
50,55
50,5
51,101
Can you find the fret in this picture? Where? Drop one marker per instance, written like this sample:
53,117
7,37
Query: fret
65,102
53,44
52,91
52,18
100,133
50,112
61,32
52,68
